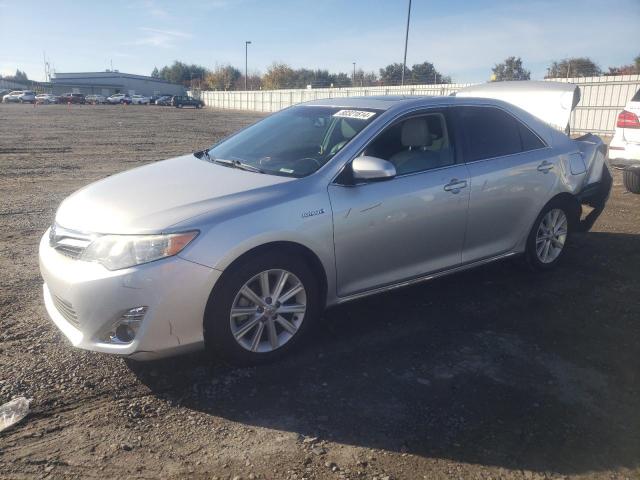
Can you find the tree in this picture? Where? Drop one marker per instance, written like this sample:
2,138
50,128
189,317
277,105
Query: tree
180,72
279,75
573,67
510,69
254,82
19,76
392,74
155,73
341,80
223,77
631,69
425,73
365,79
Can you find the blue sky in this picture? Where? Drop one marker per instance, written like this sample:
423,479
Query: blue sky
463,38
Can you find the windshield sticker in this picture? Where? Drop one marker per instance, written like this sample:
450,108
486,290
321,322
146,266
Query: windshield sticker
286,170
360,114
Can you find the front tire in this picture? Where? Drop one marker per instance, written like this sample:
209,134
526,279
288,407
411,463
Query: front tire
631,180
261,308
548,238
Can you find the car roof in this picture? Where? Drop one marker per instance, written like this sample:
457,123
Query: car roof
380,102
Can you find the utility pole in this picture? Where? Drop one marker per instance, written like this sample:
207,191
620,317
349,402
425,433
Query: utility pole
406,41
246,47
354,74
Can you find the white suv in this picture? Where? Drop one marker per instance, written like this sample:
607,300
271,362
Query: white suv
140,100
624,150
118,98
20,96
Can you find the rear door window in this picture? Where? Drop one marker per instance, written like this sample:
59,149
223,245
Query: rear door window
490,132
530,140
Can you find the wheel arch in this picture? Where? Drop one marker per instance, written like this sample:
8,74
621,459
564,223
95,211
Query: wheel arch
312,260
572,203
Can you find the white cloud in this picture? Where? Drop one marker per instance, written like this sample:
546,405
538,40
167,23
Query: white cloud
149,7
156,37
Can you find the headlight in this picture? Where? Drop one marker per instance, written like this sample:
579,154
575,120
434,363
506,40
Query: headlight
123,251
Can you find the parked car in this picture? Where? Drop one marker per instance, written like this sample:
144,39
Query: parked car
69,97
139,100
241,246
165,101
624,149
20,96
180,101
96,99
119,98
46,98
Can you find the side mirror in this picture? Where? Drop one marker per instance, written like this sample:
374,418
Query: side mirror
372,168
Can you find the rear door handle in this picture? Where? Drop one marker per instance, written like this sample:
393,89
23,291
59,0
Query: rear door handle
455,185
545,166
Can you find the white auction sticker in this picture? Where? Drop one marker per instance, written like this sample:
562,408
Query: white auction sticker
361,114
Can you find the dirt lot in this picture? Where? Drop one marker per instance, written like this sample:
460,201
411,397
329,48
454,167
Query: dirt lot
495,373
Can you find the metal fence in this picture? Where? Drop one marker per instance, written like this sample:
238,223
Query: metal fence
601,101
274,100
26,85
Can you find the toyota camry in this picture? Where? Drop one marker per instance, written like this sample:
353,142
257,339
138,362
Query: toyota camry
240,247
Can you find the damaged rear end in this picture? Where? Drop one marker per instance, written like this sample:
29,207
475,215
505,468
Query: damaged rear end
584,173
594,179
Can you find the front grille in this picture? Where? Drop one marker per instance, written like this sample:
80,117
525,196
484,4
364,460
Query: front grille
68,242
66,310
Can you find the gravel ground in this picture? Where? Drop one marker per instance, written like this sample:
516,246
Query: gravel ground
494,373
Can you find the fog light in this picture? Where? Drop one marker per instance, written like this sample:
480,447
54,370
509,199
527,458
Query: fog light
126,328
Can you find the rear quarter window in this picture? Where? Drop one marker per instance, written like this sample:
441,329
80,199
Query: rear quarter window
636,97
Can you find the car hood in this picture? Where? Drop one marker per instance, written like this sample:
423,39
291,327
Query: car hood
154,197
552,102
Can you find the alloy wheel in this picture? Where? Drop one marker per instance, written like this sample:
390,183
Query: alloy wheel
268,310
551,235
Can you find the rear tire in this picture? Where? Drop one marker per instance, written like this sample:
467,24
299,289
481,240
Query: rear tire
549,235
631,180
224,334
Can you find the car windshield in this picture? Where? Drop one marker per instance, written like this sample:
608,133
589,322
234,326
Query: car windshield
295,142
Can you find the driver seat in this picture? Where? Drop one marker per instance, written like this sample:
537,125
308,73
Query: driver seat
415,156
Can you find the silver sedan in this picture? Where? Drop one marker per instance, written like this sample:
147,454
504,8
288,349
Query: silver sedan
240,247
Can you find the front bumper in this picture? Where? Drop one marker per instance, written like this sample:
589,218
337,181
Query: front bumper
85,299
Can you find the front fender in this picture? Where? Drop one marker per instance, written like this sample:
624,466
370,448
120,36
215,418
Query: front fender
305,221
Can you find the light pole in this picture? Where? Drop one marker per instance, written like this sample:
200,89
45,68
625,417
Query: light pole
406,41
354,74
246,47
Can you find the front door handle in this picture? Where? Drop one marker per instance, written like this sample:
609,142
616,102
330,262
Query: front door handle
455,185
545,166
